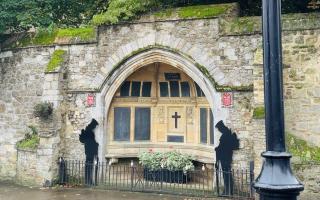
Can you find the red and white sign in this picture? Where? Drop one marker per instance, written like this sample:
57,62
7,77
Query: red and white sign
227,99
91,100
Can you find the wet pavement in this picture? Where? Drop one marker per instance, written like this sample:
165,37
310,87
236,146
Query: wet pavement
14,192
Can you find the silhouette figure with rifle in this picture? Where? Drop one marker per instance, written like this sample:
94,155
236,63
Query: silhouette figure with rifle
224,152
87,137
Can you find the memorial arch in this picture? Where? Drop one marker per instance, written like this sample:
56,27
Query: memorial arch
174,114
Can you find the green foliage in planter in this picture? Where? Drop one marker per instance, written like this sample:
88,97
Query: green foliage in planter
173,161
56,60
30,141
43,110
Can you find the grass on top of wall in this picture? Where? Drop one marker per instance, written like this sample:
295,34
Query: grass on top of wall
203,11
124,11
46,37
83,33
40,38
199,11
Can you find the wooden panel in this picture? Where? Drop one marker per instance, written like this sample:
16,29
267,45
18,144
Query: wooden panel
203,125
175,138
122,124
146,89
124,90
164,91
135,89
142,124
174,89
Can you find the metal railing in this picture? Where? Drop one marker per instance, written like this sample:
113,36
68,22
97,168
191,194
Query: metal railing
202,182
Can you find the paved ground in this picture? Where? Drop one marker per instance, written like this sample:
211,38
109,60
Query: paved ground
14,192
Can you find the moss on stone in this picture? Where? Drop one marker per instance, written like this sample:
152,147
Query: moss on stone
43,38
56,60
199,11
203,11
259,113
164,13
83,33
40,38
241,25
301,149
30,143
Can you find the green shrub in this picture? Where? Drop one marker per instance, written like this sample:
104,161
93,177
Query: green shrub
43,110
173,161
30,141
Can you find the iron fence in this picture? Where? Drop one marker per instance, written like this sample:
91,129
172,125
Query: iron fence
201,182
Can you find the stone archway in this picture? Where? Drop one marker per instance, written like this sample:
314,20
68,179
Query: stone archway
143,58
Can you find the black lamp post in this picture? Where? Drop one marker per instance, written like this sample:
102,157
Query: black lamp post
276,180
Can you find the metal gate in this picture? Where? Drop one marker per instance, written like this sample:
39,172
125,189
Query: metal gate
202,182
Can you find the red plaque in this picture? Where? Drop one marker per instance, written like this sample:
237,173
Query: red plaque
91,100
227,99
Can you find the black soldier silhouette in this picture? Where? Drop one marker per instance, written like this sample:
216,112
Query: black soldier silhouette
224,152
62,171
87,137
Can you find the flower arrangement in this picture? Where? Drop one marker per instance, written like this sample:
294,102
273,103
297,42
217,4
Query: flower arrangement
172,161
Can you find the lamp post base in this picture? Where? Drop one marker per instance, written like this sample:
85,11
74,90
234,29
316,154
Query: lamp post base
276,180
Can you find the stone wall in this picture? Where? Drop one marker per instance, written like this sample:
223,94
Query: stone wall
308,174
301,83
26,167
21,79
231,62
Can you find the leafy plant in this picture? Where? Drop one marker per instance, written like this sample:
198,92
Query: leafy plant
43,110
31,139
21,15
173,161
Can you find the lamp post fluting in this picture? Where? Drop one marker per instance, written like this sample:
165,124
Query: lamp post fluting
276,180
